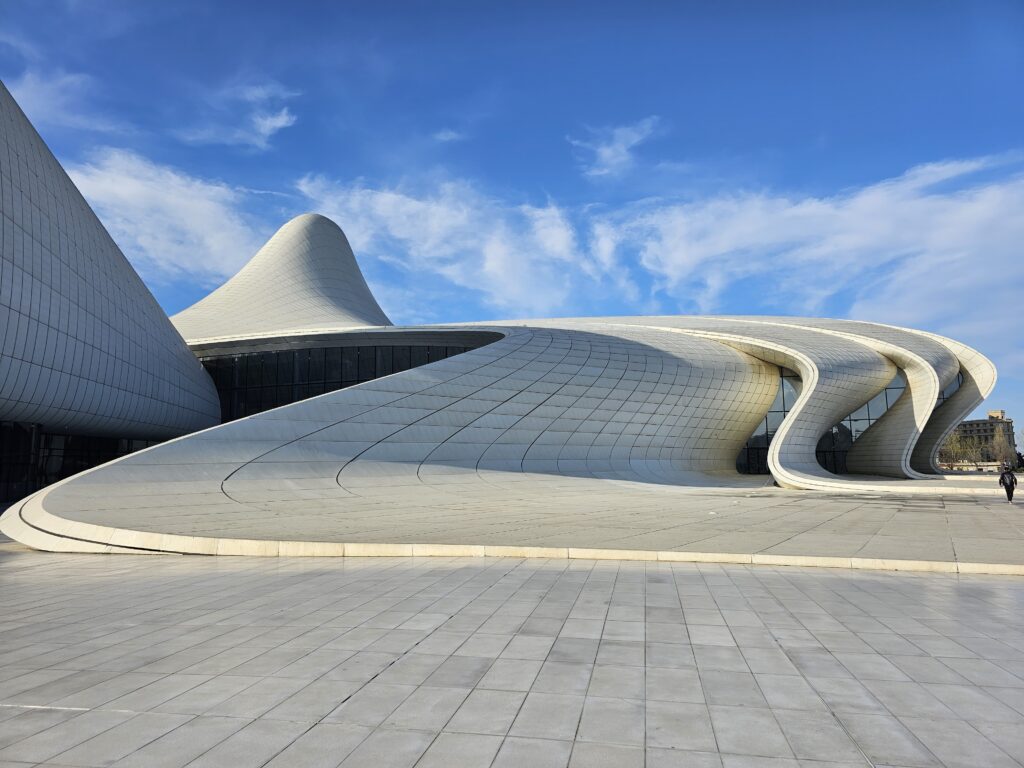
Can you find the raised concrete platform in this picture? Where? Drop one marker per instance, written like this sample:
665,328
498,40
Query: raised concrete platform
549,516
297,663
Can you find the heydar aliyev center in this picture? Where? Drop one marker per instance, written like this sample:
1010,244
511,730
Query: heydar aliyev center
285,406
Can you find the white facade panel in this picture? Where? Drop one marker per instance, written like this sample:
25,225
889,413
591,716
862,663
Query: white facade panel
84,346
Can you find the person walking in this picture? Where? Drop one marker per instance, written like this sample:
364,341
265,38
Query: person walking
1009,481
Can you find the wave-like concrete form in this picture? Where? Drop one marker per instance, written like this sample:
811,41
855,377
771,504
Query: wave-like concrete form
84,346
979,379
655,403
304,279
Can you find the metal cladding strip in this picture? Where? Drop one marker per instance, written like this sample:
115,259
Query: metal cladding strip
839,375
979,379
304,278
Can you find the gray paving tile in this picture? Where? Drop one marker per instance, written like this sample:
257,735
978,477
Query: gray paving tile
487,711
679,725
510,674
817,736
427,708
563,677
912,669
389,749
258,698
517,752
371,705
618,682
183,744
122,740
612,721
585,755
738,689
957,744
27,722
252,746
322,746
667,684
548,716
884,739
205,696
63,735
459,672
676,758
461,750
314,701
748,731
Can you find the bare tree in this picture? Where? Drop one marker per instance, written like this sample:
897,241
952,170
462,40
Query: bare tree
1001,449
959,450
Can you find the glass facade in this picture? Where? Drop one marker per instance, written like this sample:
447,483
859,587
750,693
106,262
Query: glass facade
834,445
252,382
31,459
753,458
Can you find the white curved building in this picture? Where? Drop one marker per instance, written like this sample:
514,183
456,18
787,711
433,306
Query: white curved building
330,411
306,278
85,346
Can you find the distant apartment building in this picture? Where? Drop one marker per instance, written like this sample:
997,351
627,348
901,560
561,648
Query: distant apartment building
989,433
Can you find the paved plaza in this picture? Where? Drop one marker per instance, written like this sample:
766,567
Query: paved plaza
164,661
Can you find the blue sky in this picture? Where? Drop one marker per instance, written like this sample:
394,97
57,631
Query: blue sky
849,159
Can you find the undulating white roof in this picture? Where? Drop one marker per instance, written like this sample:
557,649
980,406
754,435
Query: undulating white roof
304,279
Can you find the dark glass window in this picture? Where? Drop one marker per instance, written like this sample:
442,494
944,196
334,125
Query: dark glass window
286,367
402,360
350,365
332,364
384,361
268,364
316,366
31,458
254,382
367,363
833,446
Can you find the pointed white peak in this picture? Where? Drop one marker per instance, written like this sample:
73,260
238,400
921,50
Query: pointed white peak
304,279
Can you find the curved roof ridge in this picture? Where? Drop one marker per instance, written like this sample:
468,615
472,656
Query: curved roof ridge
305,277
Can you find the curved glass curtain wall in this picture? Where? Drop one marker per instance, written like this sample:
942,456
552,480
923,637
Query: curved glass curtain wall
32,458
834,445
252,382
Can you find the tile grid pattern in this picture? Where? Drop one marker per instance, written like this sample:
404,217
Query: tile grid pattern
464,663
84,346
305,277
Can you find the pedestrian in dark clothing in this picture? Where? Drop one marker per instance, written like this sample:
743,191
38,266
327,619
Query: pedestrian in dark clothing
1009,481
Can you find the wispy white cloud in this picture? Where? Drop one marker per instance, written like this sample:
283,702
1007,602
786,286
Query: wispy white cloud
169,224
21,45
807,250
523,259
62,99
447,135
938,247
244,114
609,151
